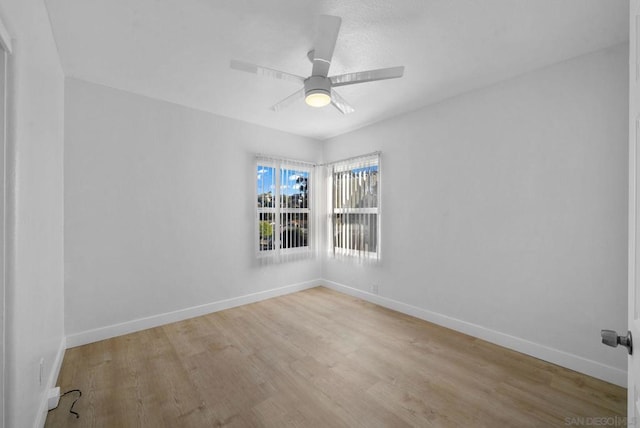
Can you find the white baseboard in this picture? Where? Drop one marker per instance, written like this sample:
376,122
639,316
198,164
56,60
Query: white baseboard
574,362
110,331
571,361
51,383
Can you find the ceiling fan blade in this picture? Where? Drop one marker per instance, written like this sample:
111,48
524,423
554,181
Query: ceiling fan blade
367,76
298,95
339,103
264,71
325,43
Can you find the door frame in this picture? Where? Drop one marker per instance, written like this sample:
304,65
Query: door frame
5,52
633,125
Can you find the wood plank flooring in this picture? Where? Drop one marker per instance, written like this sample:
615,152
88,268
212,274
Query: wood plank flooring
319,358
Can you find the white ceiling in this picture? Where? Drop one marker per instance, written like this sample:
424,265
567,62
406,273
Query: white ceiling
179,50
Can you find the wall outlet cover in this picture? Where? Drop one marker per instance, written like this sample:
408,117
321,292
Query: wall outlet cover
53,398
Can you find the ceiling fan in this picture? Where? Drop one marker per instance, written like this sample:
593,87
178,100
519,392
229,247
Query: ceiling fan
318,90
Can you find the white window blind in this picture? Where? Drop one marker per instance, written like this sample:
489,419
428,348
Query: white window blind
284,220
354,206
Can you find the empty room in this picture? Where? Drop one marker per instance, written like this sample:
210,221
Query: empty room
319,213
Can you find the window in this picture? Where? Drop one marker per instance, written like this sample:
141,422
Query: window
283,212
355,207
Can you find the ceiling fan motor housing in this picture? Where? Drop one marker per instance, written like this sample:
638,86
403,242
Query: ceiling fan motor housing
317,84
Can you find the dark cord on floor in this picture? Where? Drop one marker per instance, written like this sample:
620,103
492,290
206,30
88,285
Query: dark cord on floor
74,401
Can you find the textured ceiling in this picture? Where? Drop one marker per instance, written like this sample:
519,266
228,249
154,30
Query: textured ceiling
179,50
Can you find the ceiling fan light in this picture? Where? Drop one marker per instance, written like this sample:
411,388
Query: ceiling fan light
317,98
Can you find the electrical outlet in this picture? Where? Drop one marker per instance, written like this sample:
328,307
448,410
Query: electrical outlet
41,371
374,288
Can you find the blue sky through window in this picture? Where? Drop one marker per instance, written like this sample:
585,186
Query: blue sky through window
289,184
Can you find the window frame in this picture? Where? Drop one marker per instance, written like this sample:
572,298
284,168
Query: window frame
342,167
278,210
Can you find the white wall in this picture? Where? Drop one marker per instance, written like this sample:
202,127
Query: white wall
35,303
157,214
506,208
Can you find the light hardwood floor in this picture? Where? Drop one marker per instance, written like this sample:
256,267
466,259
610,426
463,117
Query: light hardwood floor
319,358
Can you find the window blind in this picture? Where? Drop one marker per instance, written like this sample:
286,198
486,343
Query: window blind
284,218
354,208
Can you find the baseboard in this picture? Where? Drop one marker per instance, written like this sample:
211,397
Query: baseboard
108,332
555,356
51,383
552,355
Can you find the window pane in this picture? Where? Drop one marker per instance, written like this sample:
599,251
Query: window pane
294,230
294,188
356,231
283,211
266,230
356,188
266,186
